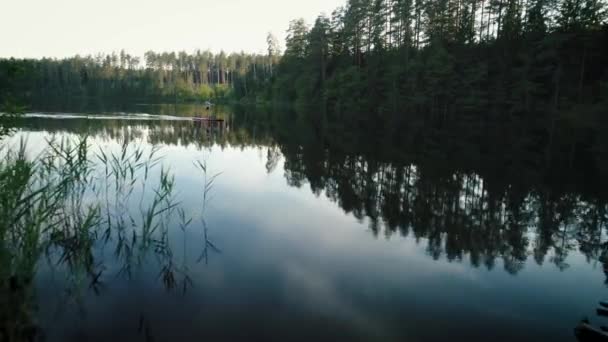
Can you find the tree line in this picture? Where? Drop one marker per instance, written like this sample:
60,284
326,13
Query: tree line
426,54
524,81
121,76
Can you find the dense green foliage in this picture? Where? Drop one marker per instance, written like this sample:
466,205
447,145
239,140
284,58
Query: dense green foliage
161,76
445,57
523,81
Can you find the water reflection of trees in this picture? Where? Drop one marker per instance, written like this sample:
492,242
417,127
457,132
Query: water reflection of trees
168,132
471,212
460,215
463,208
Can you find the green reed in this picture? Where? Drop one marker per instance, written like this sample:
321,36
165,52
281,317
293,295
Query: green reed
69,203
68,200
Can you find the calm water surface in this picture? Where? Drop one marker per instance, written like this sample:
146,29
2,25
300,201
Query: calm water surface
308,243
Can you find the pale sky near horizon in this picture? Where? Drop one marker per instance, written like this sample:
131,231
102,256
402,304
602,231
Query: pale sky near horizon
62,28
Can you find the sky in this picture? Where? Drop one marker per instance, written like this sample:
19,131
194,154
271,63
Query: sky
62,28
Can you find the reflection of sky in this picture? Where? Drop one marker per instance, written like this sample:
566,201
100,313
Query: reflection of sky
292,262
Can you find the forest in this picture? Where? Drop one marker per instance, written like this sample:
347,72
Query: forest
448,57
159,77
520,84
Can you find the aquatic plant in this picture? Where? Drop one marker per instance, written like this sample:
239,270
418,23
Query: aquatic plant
67,204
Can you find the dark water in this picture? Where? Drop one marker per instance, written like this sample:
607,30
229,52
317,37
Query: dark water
306,241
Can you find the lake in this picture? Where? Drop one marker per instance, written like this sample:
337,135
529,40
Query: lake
273,231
